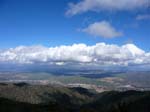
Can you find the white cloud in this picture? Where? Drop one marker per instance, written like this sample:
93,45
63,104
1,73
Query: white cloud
98,5
99,54
102,29
143,17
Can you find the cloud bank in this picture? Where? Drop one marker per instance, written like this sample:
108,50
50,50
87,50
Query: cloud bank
109,5
102,29
99,54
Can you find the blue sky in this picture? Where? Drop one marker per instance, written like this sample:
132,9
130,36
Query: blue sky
44,22
86,32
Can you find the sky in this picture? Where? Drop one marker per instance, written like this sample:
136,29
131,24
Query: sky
75,31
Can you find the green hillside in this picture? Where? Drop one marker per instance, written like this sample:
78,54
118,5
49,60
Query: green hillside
36,98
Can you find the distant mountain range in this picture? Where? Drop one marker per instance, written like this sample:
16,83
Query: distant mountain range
55,68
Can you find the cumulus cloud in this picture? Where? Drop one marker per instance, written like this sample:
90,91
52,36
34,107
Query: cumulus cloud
143,17
102,29
99,54
98,5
